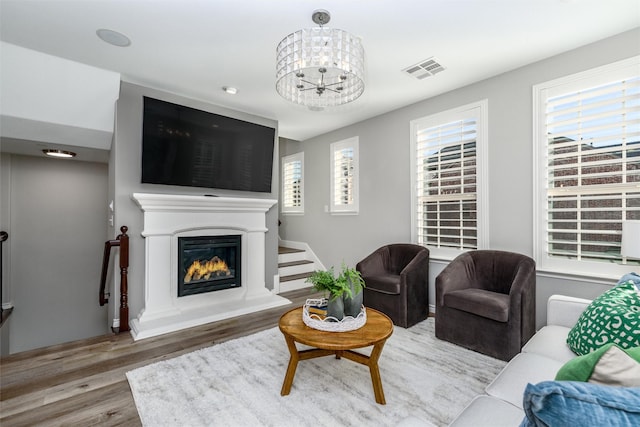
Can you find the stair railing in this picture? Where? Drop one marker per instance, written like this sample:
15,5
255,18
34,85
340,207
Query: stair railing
121,241
3,237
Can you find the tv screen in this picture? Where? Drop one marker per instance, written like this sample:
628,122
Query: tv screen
188,147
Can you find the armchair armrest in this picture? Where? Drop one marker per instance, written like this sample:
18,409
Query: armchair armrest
417,269
456,275
564,310
523,284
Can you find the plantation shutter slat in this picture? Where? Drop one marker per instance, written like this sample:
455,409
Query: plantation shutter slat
593,169
343,176
446,184
292,184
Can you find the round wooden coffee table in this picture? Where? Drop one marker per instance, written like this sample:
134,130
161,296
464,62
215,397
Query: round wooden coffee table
375,332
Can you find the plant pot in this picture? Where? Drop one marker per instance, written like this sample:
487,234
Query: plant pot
335,307
352,305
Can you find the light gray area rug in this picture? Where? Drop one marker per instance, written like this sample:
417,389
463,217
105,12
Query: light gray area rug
237,383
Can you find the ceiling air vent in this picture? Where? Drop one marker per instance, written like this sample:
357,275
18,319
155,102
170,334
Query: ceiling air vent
423,69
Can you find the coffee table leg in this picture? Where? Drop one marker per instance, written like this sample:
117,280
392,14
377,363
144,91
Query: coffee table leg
291,369
375,373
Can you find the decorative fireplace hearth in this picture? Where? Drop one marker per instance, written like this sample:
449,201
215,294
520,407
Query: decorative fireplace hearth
204,261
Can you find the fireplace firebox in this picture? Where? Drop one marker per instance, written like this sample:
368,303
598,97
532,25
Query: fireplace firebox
208,263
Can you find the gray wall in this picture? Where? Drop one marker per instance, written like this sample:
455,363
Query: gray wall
125,176
385,207
57,224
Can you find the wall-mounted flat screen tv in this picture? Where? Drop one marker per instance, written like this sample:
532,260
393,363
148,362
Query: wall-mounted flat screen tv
188,147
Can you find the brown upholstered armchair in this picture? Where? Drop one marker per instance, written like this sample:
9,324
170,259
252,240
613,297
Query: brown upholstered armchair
486,301
396,278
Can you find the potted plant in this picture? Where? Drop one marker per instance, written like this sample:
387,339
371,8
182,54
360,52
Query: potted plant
345,290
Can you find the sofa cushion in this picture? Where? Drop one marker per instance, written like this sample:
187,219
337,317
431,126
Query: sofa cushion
488,411
609,365
550,341
618,367
613,317
580,404
564,310
491,305
525,368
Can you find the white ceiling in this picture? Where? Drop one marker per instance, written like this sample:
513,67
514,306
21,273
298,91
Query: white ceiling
194,47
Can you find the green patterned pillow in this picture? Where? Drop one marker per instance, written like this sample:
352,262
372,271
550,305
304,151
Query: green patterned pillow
613,317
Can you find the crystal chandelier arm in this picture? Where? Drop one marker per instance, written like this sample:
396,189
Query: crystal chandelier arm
333,84
308,82
316,88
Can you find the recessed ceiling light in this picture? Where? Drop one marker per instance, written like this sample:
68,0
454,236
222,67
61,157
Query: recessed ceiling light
113,37
60,154
230,90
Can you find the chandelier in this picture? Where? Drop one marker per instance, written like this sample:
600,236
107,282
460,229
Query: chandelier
320,67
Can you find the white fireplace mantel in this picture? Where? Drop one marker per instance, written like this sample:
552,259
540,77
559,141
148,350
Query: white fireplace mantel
168,217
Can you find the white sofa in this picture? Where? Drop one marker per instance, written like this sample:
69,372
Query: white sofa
540,359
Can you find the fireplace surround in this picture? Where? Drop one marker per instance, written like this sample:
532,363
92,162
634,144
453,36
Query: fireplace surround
168,219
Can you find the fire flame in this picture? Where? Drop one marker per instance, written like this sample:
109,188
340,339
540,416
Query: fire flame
203,270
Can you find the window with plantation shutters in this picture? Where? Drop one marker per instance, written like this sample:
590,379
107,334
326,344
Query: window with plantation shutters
588,163
293,183
446,170
344,176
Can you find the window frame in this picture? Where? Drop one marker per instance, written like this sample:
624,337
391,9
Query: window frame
479,111
293,210
352,208
573,83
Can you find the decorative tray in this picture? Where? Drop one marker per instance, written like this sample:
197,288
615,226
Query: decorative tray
313,317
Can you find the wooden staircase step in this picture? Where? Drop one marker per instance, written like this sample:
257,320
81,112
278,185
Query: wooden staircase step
294,263
285,250
294,268
295,277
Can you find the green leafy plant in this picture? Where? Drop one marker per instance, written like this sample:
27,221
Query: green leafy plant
325,280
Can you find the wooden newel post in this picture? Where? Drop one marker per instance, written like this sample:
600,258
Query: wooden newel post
124,267
121,241
3,237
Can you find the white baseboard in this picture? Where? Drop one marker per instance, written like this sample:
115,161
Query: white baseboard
276,284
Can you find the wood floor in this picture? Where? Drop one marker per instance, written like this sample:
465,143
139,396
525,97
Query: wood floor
83,383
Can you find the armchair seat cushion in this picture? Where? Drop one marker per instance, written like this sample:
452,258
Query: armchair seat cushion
384,283
491,305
